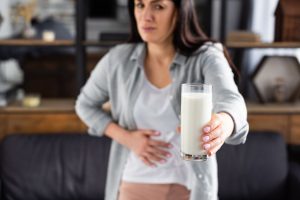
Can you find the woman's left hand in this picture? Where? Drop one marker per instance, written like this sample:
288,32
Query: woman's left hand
216,132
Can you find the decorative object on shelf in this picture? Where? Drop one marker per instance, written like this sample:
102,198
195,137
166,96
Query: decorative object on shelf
48,36
31,100
279,90
11,75
277,79
13,95
287,25
59,11
25,11
242,36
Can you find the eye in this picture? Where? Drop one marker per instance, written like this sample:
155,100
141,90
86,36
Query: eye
139,5
158,6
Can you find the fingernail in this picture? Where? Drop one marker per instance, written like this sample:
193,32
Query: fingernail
162,161
206,146
206,129
157,133
169,155
170,145
206,138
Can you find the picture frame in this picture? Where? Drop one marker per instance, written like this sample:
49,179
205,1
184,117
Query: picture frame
277,79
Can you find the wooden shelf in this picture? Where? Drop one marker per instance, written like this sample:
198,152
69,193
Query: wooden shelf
53,116
58,116
241,45
273,108
67,105
36,42
101,43
47,105
281,118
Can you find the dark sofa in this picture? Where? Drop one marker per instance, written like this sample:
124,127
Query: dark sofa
258,170
73,166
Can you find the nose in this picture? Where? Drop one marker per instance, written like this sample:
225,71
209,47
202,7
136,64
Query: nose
147,14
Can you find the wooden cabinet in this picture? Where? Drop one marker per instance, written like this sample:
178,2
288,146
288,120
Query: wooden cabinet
295,129
278,123
42,123
52,116
2,124
58,116
284,119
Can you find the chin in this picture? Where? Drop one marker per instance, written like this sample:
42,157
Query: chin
149,39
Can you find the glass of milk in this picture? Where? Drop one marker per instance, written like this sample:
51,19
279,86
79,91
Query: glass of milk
196,111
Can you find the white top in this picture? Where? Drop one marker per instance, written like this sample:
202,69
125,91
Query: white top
153,111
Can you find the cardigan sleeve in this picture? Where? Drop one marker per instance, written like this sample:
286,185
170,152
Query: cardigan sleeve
226,97
92,96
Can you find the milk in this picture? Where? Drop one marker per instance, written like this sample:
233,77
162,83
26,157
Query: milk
196,109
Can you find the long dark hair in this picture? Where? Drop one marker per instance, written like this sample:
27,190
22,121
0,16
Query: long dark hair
188,35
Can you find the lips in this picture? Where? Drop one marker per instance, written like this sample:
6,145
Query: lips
148,29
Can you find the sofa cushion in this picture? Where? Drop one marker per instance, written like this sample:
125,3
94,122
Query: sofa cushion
70,166
257,169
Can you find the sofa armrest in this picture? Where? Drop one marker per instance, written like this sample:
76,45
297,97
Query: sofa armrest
294,180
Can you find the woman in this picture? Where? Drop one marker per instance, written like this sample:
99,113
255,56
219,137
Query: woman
142,81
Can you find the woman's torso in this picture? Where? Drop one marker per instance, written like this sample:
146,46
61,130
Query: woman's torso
125,84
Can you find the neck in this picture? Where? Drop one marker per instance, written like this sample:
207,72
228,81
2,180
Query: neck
160,52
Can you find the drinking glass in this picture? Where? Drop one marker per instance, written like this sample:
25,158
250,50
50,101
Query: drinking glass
196,111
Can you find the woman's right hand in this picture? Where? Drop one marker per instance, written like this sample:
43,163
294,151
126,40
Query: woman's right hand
149,150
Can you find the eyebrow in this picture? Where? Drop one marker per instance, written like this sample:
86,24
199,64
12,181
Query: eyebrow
152,1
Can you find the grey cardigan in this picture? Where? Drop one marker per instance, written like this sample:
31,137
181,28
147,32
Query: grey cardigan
117,78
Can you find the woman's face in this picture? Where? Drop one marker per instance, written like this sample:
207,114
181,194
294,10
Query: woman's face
155,20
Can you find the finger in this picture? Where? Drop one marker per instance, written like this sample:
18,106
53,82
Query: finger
159,152
214,150
153,157
212,124
150,132
147,162
217,132
160,143
212,144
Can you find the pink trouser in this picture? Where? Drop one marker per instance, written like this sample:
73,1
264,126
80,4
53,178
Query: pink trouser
144,191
